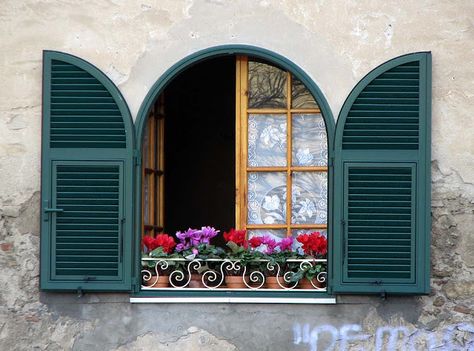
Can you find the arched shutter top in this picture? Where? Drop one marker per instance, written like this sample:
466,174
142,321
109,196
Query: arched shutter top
86,110
384,110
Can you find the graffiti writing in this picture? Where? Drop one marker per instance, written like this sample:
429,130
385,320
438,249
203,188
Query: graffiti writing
327,337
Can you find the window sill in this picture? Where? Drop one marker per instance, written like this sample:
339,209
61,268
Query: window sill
246,300
232,296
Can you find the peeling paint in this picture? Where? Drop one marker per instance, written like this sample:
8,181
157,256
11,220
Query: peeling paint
336,43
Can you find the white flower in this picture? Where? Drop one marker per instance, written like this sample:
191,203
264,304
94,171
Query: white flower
304,156
271,203
307,208
271,136
269,220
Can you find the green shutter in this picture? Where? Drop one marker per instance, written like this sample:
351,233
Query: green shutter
86,179
381,238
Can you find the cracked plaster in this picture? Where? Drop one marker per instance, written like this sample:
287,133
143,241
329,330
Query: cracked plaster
336,43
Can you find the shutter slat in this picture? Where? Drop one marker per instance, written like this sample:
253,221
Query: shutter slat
385,222
81,103
387,103
83,219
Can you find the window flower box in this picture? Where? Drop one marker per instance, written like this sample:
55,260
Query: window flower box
254,274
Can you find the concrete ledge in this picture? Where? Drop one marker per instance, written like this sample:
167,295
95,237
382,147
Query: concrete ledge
264,300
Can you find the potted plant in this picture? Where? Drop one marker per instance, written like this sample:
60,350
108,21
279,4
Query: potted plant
196,244
156,273
277,254
314,245
240,257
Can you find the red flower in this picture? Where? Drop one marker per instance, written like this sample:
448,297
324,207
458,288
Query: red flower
161,240
236,236
256,241
148,242
314,244
166,242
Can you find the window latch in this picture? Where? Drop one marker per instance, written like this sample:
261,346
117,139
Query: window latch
48,210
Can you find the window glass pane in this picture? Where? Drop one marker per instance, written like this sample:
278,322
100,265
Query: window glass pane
266,198
266,140
296,232
267,86
276,234
309,140
309,198
300,95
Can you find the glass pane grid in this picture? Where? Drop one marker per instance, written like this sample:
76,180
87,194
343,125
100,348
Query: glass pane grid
297,204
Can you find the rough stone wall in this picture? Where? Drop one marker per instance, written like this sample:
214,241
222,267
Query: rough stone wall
336,42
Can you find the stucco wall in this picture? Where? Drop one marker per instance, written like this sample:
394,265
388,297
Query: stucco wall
336,42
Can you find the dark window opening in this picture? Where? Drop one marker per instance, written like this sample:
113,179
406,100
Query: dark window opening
199,147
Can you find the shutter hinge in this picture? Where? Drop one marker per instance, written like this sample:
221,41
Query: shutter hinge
331,161
122,221
137,160
80,293
343,227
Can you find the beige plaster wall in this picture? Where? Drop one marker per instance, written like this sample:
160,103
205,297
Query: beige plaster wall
336,42
134,42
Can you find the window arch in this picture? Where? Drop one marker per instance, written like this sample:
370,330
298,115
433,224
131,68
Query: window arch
302,110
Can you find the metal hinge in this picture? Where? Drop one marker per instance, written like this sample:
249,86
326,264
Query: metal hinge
343,230
331,161
137,160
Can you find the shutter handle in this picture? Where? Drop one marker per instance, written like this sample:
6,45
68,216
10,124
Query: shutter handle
48,210
51,210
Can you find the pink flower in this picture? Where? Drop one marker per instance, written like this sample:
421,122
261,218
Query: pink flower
286,244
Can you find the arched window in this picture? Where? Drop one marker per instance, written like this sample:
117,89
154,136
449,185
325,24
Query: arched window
260,141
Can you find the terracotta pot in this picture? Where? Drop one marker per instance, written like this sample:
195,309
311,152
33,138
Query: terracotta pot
306,284
161,281
196,282
235,282
272,283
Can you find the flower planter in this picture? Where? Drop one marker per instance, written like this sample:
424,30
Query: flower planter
272,283
306,284
235,282
196,282
157,281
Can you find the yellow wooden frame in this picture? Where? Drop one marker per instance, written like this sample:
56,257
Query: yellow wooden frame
153,170
241,147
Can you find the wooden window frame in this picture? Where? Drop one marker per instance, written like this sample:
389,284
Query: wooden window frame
241,147
153,171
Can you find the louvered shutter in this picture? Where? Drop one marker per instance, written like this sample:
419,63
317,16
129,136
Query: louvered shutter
87,164
382,181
